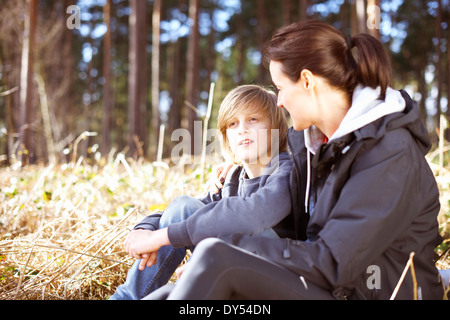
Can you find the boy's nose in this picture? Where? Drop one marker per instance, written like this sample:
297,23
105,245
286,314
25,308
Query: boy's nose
243,128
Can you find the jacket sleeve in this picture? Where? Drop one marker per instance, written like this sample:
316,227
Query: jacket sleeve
150,222
382,196
248,215
210,197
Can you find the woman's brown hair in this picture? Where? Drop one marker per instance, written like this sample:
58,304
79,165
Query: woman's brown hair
323,50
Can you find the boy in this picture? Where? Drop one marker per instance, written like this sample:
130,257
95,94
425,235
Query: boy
255,198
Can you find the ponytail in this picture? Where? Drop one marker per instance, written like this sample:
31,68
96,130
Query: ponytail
373,66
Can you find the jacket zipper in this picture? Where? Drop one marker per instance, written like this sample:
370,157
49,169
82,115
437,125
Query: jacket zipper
286,251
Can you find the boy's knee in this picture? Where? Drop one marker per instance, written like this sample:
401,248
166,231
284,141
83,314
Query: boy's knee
179,209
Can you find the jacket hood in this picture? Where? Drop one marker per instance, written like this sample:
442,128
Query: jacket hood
398,109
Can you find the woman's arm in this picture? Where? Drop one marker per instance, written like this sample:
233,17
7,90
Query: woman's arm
380,200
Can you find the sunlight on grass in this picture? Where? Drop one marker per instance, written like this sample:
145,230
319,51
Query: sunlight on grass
62,226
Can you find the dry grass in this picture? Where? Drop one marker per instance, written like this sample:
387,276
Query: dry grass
62,227
442,174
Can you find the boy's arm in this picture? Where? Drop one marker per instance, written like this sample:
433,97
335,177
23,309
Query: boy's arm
150,222
246,215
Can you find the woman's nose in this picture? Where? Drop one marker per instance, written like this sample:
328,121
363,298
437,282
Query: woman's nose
279,101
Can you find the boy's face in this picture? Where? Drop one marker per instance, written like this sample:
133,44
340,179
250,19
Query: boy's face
249,137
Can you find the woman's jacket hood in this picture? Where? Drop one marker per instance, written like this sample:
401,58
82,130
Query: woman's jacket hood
366,108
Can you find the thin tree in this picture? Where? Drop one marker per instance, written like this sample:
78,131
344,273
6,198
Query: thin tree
373,17
358,17
240,47
64,104
26,84
174,121
303,9
136,78
287,11
438,65
192,76
261,16
156,21
448,72
107,99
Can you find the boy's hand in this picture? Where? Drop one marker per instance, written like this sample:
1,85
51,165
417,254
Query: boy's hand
148,259
140,242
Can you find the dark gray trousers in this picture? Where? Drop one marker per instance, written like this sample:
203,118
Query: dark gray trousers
219,271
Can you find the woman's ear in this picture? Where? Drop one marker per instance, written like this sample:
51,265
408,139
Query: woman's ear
307,79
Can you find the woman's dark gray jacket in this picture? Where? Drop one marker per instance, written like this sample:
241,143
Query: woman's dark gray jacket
375,202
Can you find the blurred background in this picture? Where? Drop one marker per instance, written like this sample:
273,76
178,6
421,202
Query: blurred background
92,76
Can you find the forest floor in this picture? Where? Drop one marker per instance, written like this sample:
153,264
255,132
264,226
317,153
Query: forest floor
62,226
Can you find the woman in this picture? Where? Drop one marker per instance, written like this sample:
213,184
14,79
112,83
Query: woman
363,195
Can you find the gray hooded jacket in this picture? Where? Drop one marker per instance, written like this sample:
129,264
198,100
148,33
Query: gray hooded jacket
247,206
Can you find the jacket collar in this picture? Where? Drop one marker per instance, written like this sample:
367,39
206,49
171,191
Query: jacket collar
366,108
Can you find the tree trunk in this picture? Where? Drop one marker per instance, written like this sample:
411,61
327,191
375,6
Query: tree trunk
26,151
63,129
438,76
10,129
193,74
176,93
211,55
358,17
374,18
107,99
287,11
156,20
448,73
136,78
240,49
175,90
261,16
303,8
422,88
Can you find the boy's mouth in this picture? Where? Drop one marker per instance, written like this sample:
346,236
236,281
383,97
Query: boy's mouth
245,142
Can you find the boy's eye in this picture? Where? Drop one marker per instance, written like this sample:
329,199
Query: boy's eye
232,124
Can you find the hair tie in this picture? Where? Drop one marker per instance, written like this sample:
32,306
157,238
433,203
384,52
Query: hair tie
350,45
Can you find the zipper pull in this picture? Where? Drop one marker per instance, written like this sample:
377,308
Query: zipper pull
286,251
344,151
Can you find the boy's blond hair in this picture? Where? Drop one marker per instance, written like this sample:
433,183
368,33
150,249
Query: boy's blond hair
257,99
